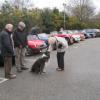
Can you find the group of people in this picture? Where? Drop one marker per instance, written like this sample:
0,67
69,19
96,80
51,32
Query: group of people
13,43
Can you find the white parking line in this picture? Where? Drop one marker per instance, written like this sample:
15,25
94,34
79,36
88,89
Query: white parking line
3,80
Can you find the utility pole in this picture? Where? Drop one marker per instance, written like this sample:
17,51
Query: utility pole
64,5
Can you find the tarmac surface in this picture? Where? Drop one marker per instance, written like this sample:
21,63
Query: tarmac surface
79,81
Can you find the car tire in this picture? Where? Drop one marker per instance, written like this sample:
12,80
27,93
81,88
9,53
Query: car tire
92,36
68,40
28,52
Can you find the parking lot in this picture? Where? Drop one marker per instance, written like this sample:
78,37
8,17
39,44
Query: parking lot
79,81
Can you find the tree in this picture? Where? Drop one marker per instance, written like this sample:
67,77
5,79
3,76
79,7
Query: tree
56,19
46,17
83,9
21,3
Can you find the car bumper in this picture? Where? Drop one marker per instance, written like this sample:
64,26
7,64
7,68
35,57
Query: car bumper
31,51
77,39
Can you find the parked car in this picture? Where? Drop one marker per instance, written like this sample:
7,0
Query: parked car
76,37
97,31
77,32
44,37
89,33
35,45
64,35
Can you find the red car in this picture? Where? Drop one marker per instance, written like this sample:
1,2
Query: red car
35,45
82,36
66,36
76,37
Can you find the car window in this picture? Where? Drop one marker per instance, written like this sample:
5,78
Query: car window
43,35
32,37
69,32
54,33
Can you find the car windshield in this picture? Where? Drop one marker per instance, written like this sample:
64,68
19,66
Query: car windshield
54,33
32,37
62,32
43,36
75,31
69,32
89,31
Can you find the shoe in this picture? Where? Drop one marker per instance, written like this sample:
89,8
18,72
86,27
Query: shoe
60,69
19,70
44,71
24,68
22,64
11,76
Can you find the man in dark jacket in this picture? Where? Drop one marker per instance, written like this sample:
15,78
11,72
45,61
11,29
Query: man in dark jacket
20,43
7,50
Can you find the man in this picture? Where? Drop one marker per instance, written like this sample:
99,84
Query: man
7,50
20,43
61,45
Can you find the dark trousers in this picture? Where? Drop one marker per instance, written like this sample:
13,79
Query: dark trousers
60,59
7,66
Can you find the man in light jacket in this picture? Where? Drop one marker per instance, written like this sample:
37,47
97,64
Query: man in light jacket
61,45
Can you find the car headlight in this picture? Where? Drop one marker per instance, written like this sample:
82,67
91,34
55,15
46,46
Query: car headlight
44,44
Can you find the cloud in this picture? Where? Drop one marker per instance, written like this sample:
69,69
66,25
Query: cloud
57,3
49,3
97,5
54,3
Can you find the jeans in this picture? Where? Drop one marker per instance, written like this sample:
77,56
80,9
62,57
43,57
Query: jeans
60,59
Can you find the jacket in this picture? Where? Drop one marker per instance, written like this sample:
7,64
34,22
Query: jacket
61,45
19,38
6,44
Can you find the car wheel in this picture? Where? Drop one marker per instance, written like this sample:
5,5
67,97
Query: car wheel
92,36
85,36
28,52
68,40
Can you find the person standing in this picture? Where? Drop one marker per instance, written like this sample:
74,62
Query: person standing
7,50
20,42
61,45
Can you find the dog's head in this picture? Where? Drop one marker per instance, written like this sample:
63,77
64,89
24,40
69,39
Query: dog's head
46,56
47,53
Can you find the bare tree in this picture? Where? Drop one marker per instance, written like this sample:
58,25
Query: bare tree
82,9
96,18
23,3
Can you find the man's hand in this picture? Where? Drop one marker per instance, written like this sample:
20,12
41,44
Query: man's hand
20,46
60,46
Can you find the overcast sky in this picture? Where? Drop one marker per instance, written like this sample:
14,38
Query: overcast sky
56,3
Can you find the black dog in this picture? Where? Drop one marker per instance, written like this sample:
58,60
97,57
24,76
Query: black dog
39,64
